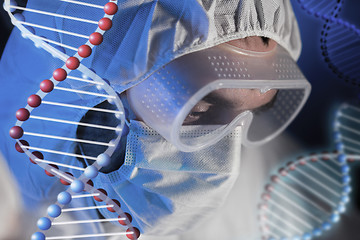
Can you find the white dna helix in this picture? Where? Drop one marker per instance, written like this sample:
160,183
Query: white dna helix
306,197
340,40
347,130
68,90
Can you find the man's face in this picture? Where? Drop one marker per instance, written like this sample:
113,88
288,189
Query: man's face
232,101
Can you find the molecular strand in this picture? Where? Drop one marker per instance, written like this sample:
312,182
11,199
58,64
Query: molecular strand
72,201
340,40
347,130
325,9
305,198
44,129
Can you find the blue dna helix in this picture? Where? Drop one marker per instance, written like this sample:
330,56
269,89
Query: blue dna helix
340,40
347,130
306,197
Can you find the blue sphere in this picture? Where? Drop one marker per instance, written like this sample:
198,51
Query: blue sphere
345,199
341,158
44,223
306,236
326,226
334,218
346,190
103,160
346,179
341,208
338,112
31,29
77,186
54,211
38,236
317,232
64,198
12,3
91,172
337,136
19,17
340,147
345,169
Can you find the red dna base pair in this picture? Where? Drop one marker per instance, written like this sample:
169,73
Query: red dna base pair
46,125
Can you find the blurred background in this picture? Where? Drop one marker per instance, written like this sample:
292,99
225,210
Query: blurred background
313,127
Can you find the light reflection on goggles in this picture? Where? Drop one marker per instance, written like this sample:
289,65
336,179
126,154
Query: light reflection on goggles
221,87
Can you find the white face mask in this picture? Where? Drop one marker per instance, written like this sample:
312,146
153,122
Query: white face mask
168,191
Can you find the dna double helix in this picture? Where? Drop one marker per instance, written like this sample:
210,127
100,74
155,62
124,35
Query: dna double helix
70,30
306,197
347,130
340,40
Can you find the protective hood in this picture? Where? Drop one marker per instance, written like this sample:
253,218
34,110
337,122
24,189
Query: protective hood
145,36
149,34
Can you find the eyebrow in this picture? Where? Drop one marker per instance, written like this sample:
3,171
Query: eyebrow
215,100
265,40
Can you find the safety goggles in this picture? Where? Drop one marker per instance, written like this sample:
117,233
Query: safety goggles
218,89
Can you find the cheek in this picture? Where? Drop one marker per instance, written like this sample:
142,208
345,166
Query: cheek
254,98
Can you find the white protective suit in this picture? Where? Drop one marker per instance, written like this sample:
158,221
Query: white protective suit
149,34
